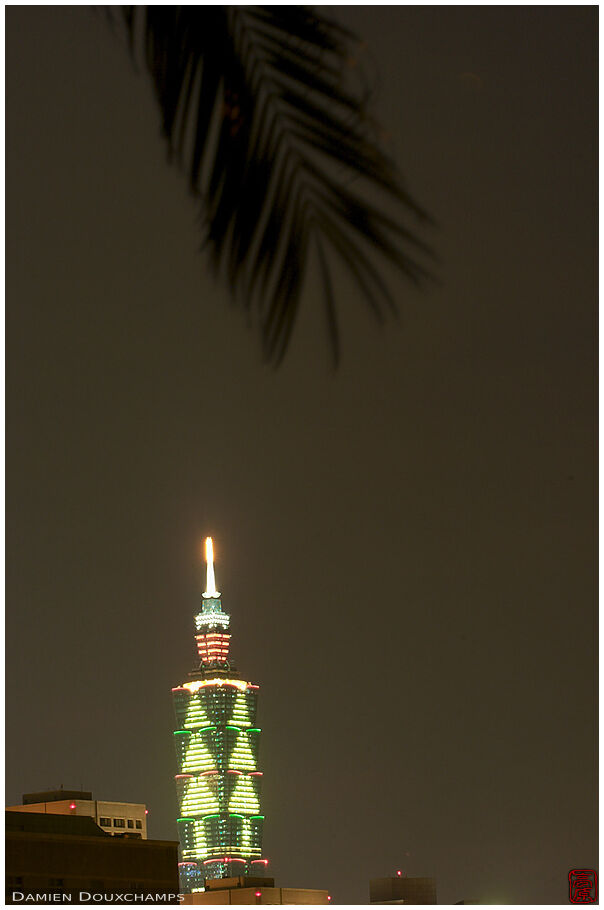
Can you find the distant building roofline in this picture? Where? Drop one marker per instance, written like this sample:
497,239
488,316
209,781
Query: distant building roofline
51,796
43,823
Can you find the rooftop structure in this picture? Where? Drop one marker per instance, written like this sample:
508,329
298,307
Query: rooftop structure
402,889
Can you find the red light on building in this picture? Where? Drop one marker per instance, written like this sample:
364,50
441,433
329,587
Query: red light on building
72,805
398,872
146,812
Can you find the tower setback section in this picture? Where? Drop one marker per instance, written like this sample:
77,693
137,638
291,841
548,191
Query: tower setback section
217,741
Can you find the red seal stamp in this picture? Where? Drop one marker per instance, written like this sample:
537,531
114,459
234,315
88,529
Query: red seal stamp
583,886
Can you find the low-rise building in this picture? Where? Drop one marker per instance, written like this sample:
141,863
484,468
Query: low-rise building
247,889
53,857
402,889
113,817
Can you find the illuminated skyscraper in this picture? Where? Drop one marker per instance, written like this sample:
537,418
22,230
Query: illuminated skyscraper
218,782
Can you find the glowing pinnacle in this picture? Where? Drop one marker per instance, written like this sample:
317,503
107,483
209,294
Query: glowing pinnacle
210,580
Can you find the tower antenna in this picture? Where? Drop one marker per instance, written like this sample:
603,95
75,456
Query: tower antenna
210,580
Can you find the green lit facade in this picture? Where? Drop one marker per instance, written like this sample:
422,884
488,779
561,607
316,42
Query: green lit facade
217,740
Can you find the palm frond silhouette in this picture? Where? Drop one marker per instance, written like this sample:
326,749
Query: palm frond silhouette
260,109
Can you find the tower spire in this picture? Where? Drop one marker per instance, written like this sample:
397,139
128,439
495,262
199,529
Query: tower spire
210,580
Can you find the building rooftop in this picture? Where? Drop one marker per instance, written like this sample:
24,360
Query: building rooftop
239,881
42,823
51,796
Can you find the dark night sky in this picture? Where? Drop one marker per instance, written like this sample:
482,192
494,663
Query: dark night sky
406,548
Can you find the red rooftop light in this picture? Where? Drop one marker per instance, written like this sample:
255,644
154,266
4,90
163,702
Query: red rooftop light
72,805
258,893
398,872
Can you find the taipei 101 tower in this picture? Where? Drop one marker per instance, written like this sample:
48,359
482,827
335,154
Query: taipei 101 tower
218,782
